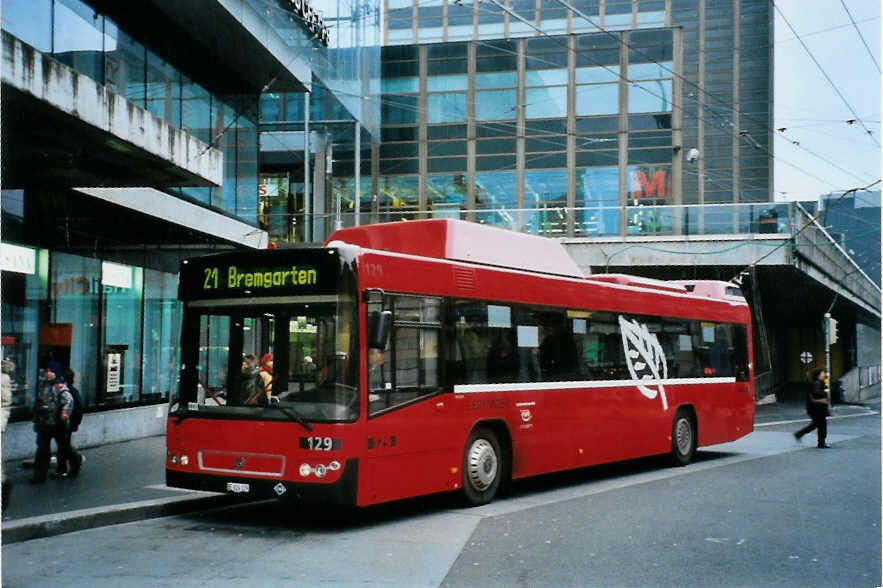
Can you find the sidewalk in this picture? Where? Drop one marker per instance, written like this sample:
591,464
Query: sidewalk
119,483
124,482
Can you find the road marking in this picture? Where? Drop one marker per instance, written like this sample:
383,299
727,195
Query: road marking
806,420
170,489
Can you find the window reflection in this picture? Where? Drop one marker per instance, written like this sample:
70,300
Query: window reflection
445,83
124,64
545,191
649,191
123,289
78,38
495,104
398,197
163,89
650,71
597,201
449,107
72,333
597,99
650,96
29,21
546,102
446,195
495,199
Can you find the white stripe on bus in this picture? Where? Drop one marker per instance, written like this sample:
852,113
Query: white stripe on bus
530,386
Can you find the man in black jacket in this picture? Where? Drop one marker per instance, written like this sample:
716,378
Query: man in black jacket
817,409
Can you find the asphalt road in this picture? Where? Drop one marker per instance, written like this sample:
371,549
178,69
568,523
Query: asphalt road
764,511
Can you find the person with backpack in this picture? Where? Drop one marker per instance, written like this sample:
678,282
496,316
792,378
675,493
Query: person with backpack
52,410
73,457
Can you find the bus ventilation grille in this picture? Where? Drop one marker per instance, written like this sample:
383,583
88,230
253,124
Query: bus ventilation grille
464,279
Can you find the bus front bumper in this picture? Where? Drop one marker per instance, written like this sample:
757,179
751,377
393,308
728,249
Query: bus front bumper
342,491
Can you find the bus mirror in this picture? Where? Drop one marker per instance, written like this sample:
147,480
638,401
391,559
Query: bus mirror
379,325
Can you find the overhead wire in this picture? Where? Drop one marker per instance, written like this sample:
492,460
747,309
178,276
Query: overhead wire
743,134
796,143
726,106
506,124
825,74
861,36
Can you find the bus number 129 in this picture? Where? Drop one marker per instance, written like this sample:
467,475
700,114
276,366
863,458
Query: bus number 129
319,443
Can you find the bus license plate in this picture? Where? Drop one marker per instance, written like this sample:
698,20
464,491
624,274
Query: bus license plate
237,488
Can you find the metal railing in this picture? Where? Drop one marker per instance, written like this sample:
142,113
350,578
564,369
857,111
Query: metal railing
561,221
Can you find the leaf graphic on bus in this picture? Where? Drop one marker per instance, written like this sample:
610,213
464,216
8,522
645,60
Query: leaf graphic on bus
644,357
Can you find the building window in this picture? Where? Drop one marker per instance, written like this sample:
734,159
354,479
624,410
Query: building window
78,38
398,197
162,327
649,194
495,198
650,96
29,21
446,195
545,192
124,64
548,102
597,201
163,90
122,289
445,108
24,277
72,334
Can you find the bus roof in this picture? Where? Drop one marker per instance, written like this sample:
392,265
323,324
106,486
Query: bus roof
458,240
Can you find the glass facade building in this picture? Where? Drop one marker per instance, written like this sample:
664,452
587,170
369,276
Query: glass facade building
93,285
577,121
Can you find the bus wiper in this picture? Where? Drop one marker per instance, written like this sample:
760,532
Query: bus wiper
293,416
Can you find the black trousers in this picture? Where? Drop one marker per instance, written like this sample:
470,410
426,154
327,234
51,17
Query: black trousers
66,453
70,457
819,416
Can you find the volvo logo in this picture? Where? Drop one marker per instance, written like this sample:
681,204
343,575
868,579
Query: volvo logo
240,461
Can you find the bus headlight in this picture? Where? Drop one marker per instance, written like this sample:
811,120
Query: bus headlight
176,459
320,470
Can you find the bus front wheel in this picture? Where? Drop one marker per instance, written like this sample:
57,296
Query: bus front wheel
482,467
683,438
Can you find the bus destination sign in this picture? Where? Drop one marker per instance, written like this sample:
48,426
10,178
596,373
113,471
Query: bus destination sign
261,278
304,272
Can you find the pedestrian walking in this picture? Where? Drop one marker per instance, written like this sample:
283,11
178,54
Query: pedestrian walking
817,409
53,406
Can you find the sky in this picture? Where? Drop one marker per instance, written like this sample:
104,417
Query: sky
819,152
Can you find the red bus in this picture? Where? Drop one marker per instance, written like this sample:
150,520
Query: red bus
421,357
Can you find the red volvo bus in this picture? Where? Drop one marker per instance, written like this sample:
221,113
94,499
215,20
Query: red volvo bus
411,358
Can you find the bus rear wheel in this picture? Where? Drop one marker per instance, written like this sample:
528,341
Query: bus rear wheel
482,467
683,438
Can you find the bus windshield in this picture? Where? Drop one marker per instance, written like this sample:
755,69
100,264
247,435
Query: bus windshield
296,357
269,335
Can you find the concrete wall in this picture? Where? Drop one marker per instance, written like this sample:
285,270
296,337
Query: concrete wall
64,89
98,428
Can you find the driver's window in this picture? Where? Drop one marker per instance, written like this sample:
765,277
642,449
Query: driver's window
414,355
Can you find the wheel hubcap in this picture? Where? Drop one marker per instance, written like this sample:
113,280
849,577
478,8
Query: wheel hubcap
482,464
684,436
